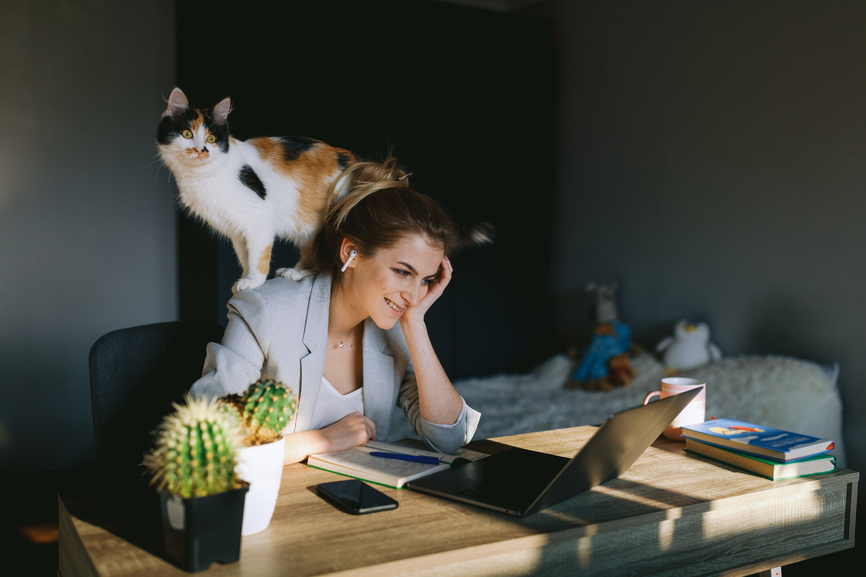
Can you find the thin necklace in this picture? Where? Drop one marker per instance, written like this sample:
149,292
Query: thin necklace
341,342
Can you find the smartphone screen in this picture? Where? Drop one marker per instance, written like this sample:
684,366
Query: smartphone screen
355,497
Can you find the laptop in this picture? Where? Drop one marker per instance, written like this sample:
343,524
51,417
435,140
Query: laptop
521,482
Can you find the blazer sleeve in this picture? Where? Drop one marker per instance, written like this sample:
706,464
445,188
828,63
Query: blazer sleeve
441,438
235,363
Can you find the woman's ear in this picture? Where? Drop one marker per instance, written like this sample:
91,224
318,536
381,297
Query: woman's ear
348,254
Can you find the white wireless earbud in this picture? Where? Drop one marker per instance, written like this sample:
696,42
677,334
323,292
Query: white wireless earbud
352,255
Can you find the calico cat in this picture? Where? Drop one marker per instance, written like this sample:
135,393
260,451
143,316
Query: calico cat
251,191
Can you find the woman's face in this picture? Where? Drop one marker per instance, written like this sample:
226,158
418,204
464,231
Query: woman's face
384,285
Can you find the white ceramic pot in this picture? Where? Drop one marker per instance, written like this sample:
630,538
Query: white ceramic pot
262,467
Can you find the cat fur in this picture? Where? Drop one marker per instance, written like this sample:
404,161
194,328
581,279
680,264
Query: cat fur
250,191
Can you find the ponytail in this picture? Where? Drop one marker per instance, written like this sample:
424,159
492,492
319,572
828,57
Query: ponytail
379,210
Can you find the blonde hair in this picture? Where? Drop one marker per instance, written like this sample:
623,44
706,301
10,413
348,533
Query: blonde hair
379,210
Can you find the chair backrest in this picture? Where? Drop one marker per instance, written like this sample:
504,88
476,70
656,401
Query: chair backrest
135,375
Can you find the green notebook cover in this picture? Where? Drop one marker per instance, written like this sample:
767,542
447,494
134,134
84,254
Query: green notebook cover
763,467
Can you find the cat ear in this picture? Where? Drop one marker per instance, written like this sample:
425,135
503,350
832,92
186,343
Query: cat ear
221,110
177,102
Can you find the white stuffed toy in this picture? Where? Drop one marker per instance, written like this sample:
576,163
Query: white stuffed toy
689,348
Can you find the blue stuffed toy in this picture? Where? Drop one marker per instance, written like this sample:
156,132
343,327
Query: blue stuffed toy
609,340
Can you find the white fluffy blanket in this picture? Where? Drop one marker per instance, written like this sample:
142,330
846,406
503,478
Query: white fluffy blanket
779,392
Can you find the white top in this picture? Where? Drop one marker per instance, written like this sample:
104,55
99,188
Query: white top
331,406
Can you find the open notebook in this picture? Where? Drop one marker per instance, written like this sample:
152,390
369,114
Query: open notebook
360,464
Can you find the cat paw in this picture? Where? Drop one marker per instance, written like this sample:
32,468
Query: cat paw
293,273
246,284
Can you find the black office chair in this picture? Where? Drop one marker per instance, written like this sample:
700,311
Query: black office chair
135,375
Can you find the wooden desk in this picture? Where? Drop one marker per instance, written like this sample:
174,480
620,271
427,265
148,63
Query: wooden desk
670,514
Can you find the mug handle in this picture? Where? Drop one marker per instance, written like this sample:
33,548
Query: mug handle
650,395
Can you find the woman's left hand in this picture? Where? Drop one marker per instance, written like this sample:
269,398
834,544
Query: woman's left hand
434,291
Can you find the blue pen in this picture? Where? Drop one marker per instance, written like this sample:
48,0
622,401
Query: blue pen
401,457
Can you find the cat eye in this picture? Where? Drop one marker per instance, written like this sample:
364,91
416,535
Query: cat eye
187,134
211,138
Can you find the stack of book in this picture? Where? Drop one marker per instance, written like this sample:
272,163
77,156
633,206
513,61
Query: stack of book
765,451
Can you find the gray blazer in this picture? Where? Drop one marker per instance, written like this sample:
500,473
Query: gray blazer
279,331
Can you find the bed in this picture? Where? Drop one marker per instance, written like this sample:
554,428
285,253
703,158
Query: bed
781,392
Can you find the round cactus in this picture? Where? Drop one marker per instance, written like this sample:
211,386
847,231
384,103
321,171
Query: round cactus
195,450
232,407
265,409
268,406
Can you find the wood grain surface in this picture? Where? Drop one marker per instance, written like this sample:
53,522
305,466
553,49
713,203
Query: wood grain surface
671,513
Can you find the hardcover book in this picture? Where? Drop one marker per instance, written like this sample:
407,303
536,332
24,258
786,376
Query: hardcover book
767,442
773,470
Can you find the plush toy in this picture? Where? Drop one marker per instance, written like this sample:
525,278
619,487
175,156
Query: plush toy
605,305
605,363
608,341
690,347
620,373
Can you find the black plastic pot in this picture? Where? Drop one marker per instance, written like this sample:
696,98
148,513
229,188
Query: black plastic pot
201,530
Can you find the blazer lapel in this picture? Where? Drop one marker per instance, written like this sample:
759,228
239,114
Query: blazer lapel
380,386
316,340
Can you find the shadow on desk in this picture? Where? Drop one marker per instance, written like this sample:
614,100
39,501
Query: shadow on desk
122,503
600,525
675,536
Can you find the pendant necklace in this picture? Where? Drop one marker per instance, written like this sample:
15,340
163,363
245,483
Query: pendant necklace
341,342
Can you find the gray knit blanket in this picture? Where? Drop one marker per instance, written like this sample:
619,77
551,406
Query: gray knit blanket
781,392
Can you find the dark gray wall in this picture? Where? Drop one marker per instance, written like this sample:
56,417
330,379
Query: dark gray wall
87,219
712,159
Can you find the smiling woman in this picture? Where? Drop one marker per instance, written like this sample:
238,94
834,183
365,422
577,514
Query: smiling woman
351,340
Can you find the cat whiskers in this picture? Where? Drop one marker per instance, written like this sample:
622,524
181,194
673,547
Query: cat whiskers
157,159
173,168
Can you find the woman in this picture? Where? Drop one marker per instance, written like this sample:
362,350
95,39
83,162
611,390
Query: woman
351,340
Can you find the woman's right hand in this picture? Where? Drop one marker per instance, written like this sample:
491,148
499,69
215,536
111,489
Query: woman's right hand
350,431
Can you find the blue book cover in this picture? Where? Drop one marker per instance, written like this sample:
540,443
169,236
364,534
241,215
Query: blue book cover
776,444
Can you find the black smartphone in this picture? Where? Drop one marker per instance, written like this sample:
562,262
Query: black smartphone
355,497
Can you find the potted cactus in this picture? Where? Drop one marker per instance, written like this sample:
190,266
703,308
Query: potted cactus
201,497
262,412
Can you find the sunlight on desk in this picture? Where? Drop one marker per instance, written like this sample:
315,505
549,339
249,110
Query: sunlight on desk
666,529
798,506
670,514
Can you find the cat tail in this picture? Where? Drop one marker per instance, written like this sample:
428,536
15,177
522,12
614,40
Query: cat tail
477,235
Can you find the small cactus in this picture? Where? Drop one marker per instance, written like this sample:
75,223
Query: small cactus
265,409
194,453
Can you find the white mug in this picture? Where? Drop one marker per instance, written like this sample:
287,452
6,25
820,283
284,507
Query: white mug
695,412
